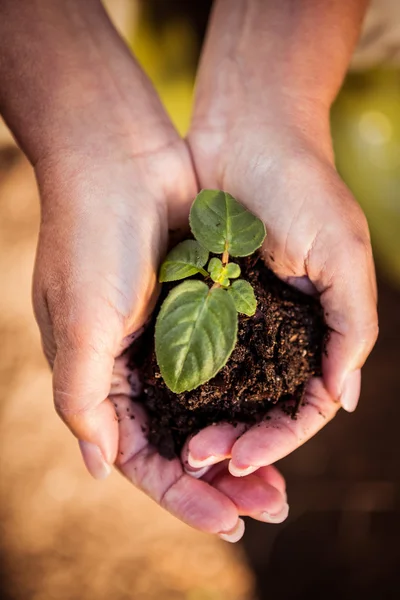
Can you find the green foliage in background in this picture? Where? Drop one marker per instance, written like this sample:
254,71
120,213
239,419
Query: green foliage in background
366,133
168,56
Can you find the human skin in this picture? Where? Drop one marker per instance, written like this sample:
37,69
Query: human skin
260,129
114,176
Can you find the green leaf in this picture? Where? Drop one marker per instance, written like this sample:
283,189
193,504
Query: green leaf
232,270
196,331
215,268
243,297
185,260
224,281
220,223
221,274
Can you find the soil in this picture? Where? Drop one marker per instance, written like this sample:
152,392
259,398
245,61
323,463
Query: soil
279,349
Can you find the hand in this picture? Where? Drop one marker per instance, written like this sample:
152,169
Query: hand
103,232
113,177
277,159
104,228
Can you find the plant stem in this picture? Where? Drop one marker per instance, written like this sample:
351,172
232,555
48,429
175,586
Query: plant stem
225,255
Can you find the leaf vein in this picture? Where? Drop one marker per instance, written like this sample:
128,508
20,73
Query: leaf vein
191,338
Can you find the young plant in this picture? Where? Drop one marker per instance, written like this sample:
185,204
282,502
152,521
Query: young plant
196,329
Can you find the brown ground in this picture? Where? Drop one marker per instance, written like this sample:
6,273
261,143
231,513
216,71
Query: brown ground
64,536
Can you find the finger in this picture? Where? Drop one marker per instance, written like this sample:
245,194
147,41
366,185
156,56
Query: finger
348,295
82,360
191,500
253,496
94,460
272,440
210,446
214,444
133,428
81,384
125,379
269,474
272,476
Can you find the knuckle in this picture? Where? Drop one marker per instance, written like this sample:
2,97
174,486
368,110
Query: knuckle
39,304
75,333
69,406
370,334
355,232
64,403
360,241
83,333
355,251
367,335
359,233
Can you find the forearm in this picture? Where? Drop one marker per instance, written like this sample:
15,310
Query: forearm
290,52
65,74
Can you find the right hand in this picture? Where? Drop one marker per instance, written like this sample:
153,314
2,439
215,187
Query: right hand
268,143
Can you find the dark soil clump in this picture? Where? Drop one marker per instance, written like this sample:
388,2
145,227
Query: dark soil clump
278,350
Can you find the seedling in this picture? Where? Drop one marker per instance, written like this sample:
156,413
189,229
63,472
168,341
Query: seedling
196,329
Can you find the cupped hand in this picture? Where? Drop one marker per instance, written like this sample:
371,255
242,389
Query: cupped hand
106,215
104,228
279,164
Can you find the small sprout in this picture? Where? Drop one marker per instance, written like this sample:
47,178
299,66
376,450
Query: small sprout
243,297
221,273
196,329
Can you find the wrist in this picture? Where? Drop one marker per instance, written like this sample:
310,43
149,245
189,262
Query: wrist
268,60
280,125
299,121
78,86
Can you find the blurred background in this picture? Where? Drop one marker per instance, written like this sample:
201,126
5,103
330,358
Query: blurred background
64,536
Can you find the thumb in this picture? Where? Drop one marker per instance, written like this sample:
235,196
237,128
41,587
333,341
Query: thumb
81,384
349,298
87,338
82,362
82,335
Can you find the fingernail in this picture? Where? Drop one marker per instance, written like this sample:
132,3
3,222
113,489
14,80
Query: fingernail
235,534
351,391
94,460
205,462
278,518
241,472
197,473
